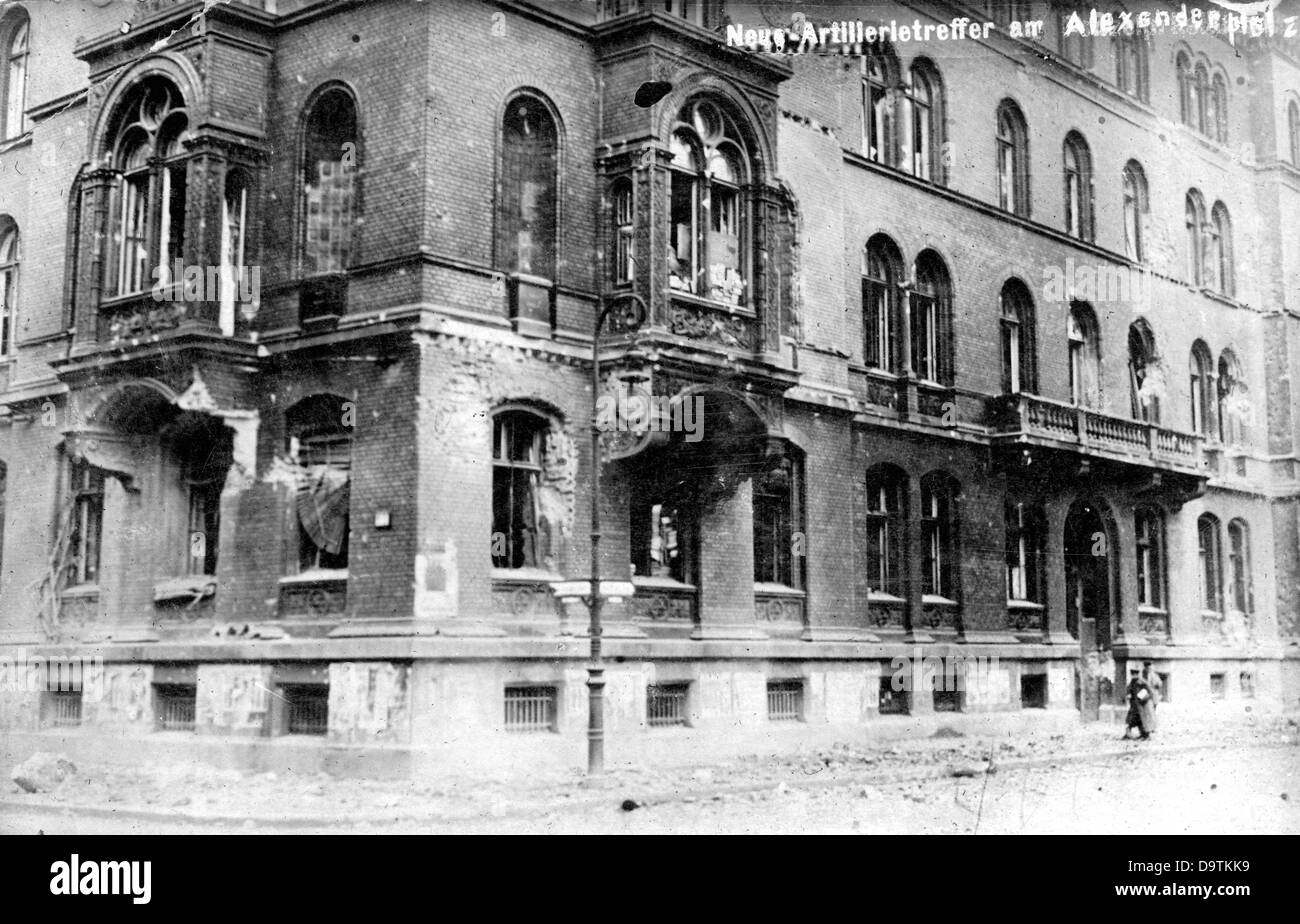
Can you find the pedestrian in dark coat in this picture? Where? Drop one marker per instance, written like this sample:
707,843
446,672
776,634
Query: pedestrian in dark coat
1140,712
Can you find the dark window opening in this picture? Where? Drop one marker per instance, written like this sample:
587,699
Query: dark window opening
893,702
1033,691
329,186
517,446
785,700
174,706
306,708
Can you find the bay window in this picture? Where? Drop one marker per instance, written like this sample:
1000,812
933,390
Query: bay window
708,217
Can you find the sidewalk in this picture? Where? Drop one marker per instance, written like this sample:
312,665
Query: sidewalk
200,795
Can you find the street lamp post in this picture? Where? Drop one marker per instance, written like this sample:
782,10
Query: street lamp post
595,598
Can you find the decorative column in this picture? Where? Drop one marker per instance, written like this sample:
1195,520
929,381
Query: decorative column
726,569
1055,631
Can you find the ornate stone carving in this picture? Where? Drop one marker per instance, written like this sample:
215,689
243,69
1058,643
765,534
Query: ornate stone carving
777,608
1024,619
145,320
711,326
885,614
522,600
664,605
313,599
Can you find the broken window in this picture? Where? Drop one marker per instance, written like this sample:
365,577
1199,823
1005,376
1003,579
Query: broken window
517,447
86,484
663,541
320,443
1146,383
707,210
778,524
329,194
148,215
1243,593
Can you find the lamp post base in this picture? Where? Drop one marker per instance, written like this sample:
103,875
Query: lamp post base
595,720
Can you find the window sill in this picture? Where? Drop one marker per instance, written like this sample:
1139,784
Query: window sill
1024,605
527,575
185,588
875,596
650,582
81,590
773,588
17,141
712,303
1145,610
316,576
938,600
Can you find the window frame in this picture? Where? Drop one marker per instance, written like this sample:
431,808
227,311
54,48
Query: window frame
1241,585
710,135
1012,141
526,469
86,488
1209,547
1025,526
1202,390
783,509
1135,204
1150,548
881,306
1076,162
10,262
885,517
1017,319
15,69
941,555
311,181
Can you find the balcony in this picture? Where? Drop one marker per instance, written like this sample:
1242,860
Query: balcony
1028,418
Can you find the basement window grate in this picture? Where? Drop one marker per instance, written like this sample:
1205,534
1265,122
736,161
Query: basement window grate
65,708
784,700
175,703
308,706
530,709
665,704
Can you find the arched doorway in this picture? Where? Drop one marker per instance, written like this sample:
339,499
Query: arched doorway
1089,571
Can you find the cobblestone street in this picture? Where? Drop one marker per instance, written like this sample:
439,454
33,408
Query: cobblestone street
1214,777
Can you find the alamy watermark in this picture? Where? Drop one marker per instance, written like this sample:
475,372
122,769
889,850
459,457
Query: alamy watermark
24,672
635,410
951,673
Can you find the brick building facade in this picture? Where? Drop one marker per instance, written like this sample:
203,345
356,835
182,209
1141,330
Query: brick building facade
991,342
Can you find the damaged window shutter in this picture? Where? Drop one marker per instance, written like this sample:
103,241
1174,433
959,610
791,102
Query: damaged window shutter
322,504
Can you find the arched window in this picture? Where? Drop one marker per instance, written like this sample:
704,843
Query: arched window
1078,187
1075,47
778,516
881,321
148,215
1146,379
10,255
1210,551
1019,366
1013,159
880,78
1026,533
330,199
708,242
518,441
925,115
1135,210
1202,389
1234,405
940,553
1217,109
1131,63
930,320
1085,356
1150,535
1293,131
624,250
1186,90
886,493
1201,101
1240,585
1221,250
13,71
527,205
1194,218
320,444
